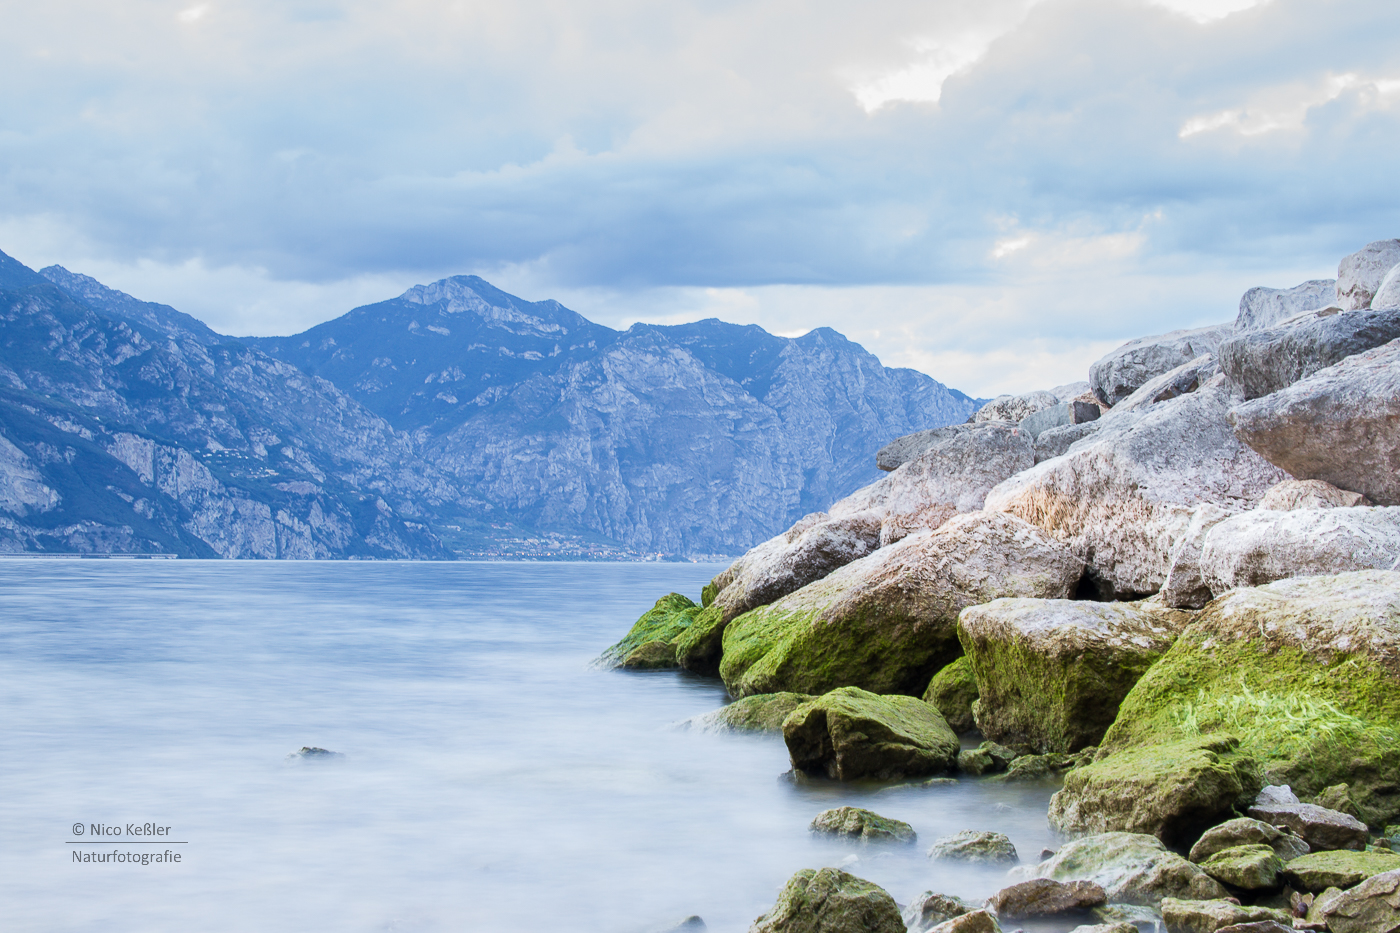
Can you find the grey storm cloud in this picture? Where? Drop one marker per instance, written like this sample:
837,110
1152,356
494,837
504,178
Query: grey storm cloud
619,143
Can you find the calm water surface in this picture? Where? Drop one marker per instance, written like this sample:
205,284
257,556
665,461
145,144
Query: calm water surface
490,781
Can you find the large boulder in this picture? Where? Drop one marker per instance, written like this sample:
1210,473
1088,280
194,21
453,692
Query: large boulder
1122,496
1013,408
1341,424
1251,867
1261,308
1122,372
860,825
809,550
1045,897
1302,672
762,712
1371,907
1173,791
1309,494
1075,411
1056,442
1263,546
1188,377
650,644
951,476
1321,828
1183,915
888,622
953,690
851,733
1185,586
1340,868
1266,361
1359,275
1130,867
830,901
1387,297
1245,831
1050,673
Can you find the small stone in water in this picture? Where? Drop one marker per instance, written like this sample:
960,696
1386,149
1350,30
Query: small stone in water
310,751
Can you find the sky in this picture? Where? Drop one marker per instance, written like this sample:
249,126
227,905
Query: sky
993,192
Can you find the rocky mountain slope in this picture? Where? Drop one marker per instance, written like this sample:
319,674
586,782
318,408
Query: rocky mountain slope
453,420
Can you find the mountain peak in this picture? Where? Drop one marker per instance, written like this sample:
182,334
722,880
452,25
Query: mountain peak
470,294
113,303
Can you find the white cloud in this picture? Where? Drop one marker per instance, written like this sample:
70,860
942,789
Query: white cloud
1286,107
193,14
1206,11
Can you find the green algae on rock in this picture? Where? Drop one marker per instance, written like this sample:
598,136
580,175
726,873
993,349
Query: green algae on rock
1371,907
1043,767
953,690
1171,791
1341,868
888,622
699,645
979,848
830,901
862,825
1050,673
1301,674
1244,831
1252,867
762,712
851,733
1132,868
651,641
1207,916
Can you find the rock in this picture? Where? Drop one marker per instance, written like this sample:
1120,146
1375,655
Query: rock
953,690
903,449
1040,767
1266,361
850,733
952,475
1185,586
987,758
1337,797
1045,897
1245,831
1071,390
976,921
1123,496
1360,274
1309,494
1122,372
1105,928
1055,442
1172,791
762,712
1275,794
1051,673
691,924
929,910
312,753
1188,377
809,550
1336,425
1319,871
1300,672
1076,411
1322,829
1261,308
1387,297
699,646
1131,868
1013,408
1208,916
651,642
889,621
862,825
1263,546
1251,867
1371,907
1258,926
979,848
830,901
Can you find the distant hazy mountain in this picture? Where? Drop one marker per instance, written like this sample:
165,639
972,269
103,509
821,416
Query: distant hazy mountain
453,419
700,438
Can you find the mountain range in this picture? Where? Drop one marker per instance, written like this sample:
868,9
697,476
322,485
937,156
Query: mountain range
455,420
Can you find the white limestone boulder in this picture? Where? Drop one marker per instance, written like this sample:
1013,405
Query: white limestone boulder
1341,424
1387,297
1266,361
1359,275
1263,546
1310,494
1264,307
1013,408
1125,370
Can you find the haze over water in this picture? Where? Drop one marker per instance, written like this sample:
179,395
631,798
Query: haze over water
490,781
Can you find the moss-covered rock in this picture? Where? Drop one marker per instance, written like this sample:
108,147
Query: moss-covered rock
1171,791
830,901
1303,673
1132,868
888,622
651,641
1043,767
1250,867
989,758
1341,868
863,826
970,845
699,646
1243,832
929,909
708,593
851,733
1371,907
762,712
1050,673
953,690
1207,916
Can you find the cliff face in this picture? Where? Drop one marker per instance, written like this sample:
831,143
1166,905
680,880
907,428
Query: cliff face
454,410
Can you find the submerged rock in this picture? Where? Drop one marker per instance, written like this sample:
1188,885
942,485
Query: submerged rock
762,712
1208,916
979,848
1246,831
313,753
1130,867
1371,907
1122,372
862,825
650,643
888,622
1263,546
1319,871
1045,897
1040,767
1123,927
830,901
851,733
1337,425
1051,673
953,690
928,910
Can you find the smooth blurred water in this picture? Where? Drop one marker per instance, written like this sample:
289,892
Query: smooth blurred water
491,779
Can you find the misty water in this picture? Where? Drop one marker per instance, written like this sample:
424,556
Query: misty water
490,779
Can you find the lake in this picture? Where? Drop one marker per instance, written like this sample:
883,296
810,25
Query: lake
488,778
